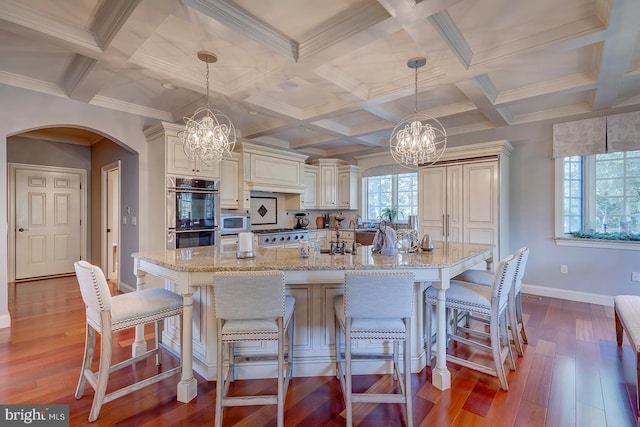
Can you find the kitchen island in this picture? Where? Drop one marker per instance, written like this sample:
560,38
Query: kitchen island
314,281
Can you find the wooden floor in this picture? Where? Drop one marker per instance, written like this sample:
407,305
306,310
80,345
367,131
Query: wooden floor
572,374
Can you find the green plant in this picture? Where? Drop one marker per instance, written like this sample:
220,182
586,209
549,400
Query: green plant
390,214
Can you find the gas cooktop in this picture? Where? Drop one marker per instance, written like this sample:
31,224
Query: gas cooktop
280,236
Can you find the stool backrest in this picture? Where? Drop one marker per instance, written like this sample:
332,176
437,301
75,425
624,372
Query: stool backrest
249,294
503,280
378,294
522,255
93,286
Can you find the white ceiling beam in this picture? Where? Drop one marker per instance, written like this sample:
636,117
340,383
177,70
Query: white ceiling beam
85,78
245,23
481,91
616,52
37,25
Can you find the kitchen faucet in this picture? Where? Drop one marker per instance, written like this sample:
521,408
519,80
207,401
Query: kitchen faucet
352,222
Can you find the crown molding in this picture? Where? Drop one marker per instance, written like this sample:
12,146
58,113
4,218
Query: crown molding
240,20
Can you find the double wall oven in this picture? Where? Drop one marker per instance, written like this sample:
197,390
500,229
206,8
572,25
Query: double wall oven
193,212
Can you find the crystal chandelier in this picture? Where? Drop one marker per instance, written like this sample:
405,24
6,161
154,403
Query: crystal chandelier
419,139
209,134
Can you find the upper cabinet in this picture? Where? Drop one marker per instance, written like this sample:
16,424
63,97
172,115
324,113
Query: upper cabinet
347,187
337,186
179,164
230,189
466,200
310,187
166,148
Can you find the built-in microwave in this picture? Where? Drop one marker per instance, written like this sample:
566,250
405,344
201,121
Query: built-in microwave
193,212
234,222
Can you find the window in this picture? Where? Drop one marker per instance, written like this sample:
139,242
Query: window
398,192
601,196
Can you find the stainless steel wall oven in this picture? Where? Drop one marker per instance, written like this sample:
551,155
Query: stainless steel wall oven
193,212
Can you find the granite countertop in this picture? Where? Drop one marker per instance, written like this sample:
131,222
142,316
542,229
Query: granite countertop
210,258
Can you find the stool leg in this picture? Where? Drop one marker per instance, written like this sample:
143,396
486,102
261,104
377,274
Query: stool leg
513,322
407,373
347,368
219,377
87,360
103,375
280,402
496,351
519,317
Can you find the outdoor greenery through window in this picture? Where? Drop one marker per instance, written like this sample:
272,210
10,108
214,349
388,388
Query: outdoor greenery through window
602,196
396,193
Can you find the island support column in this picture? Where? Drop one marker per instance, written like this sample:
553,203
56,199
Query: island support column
139,345
441,377
188,386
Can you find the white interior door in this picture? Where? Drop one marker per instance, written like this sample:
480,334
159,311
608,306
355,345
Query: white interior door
113,213
47,221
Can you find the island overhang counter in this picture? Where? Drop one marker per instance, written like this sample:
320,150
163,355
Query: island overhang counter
314,281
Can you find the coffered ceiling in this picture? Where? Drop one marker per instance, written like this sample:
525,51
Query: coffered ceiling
329,77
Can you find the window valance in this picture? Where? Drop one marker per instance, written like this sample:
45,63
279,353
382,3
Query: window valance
608,134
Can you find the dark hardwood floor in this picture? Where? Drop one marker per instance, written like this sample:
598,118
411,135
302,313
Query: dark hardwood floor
572,374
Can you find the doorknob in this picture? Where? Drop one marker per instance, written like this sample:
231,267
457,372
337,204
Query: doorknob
22,229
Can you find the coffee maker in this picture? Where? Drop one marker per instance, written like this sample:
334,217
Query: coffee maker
301,221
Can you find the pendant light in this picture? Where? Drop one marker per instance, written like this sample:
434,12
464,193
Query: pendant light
419,139
209,134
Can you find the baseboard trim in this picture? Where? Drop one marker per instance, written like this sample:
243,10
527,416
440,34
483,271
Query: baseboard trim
587,297
5,321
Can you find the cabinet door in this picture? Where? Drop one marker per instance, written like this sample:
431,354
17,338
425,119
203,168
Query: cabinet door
229,188
179,164
310,186
454,215
347,189
327,187
481,203
432,201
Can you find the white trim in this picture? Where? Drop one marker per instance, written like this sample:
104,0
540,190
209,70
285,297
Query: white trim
104,190
565,294
11,207
5,321
598,244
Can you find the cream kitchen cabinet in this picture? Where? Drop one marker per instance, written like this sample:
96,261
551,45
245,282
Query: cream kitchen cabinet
310,187
337,186
347,187
230,183
178,163
466,199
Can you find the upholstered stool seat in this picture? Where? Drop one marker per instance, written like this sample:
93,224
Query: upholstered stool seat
106,314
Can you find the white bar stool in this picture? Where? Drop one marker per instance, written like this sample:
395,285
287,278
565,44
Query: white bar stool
252,306
107,314
375,306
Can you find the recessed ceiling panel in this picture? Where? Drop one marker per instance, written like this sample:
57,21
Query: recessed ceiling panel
79,13
484,23
294,18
